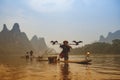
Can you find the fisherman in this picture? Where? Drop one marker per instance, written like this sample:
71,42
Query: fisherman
87,55
66,49
27,55
31,53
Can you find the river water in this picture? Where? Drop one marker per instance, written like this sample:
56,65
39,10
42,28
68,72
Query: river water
102,67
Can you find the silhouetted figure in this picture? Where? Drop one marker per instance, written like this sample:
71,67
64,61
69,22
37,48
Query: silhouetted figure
31,55
87,55
66,49
27,55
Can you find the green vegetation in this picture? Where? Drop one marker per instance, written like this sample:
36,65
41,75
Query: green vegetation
99,48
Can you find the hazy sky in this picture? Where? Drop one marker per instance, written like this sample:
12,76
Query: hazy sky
62,20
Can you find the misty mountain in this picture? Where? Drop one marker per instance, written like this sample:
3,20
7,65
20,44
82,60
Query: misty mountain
111,36
15,42
39,44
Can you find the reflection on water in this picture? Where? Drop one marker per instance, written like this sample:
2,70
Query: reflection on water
103,67
65,73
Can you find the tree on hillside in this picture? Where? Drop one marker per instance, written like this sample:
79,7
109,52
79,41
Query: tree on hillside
116,46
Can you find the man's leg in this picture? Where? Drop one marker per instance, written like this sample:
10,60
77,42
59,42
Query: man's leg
66,57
